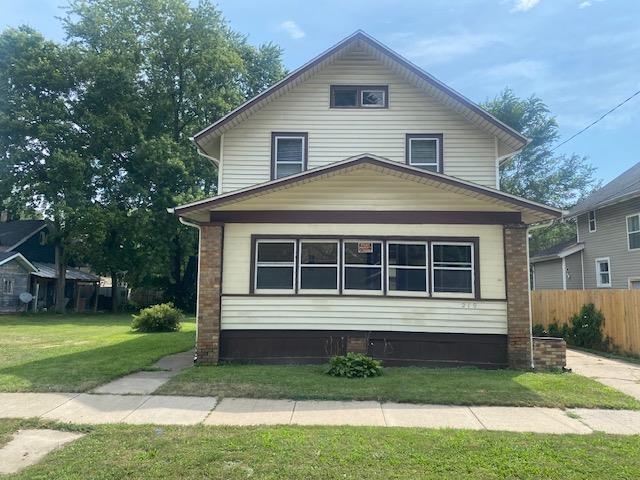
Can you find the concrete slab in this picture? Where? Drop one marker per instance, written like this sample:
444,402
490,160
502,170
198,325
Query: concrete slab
337,413
28,447
140,383
528,419
172,410
96,409
25,405
249,411
176,362
618,374
429,416
622,422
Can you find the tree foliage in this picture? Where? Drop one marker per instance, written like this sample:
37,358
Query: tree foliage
537,173
95,130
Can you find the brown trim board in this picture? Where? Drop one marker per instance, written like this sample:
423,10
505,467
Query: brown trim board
363,37
363,216
364,160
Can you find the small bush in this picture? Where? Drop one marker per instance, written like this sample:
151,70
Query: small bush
354,365
586,328
163,317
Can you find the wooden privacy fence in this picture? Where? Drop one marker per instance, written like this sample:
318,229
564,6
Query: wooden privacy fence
621,310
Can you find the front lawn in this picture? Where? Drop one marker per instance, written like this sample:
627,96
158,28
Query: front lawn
74,353
454,386
281,453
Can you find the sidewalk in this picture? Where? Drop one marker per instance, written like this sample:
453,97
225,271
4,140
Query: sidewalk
90,408
621,375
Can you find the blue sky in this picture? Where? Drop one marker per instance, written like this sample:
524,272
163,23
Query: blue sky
582,57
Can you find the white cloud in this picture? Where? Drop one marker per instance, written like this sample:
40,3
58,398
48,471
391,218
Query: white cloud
585,4
524,5
293,29
445,47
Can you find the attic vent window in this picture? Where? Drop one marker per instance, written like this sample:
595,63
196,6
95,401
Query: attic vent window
348,96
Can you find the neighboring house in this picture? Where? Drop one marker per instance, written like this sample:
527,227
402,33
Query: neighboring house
14,280
358,210
30,239
607,249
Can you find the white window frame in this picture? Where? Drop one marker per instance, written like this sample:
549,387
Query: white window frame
598,262
275,291
629,233
384,97
472,270
10,283
589,220
351,265
630,280
323,291
276,162
426,268
422,164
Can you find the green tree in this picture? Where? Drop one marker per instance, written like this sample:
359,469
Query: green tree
537,173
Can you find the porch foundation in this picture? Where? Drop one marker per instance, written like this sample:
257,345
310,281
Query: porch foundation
209,290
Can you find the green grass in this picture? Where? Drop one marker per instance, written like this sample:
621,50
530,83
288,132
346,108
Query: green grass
231,453
74,353
454,386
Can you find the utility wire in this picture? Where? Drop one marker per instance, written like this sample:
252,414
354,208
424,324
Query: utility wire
593,123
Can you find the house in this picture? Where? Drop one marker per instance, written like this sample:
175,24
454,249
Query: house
358,210
606,251
30,241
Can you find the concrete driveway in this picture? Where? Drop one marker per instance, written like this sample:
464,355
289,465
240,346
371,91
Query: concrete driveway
623,376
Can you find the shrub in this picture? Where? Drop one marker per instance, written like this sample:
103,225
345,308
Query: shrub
163,317
586,328
354,365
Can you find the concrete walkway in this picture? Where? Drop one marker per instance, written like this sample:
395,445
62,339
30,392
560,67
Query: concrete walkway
86,408
147,382
621,375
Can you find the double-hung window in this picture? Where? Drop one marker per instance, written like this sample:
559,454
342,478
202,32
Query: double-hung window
603,272
362,266
288,154
424,150
407,270
275,266
318,266
592,221
7,286
633,231
452,269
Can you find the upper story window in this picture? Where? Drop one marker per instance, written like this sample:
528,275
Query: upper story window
424,150
592,221
353,96
633,231
288,154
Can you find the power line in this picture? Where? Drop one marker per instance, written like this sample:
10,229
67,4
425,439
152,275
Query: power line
593,123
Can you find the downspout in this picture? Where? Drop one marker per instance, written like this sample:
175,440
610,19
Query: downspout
213,160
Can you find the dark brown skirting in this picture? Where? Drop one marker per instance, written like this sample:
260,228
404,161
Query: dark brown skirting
393,348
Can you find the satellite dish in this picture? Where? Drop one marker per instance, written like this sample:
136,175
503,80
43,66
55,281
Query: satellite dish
25,297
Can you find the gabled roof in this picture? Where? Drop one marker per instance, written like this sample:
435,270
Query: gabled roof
430,84
16,232
624,187
48,270
559,250
536,211
6,257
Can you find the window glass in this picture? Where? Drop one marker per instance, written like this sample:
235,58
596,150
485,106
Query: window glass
275,265
372,98
424,153
345,97
289,153
407,280
603,272
592,221
364,253
407,271
318,265
633,229
452,267
357,278
363,265
407,254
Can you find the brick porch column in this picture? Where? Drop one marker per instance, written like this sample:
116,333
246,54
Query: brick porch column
517,286
209,290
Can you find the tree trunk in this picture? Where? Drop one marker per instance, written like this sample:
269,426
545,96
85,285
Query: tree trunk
114,292
61,280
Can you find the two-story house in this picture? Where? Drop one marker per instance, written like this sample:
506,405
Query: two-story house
358,210
606,251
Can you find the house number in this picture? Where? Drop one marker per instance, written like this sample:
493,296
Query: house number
469,305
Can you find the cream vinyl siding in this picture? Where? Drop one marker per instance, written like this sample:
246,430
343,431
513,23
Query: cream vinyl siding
237,248
336,134
357,313
365,189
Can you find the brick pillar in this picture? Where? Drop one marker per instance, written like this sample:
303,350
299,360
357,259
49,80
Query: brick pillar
209,290
517,285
